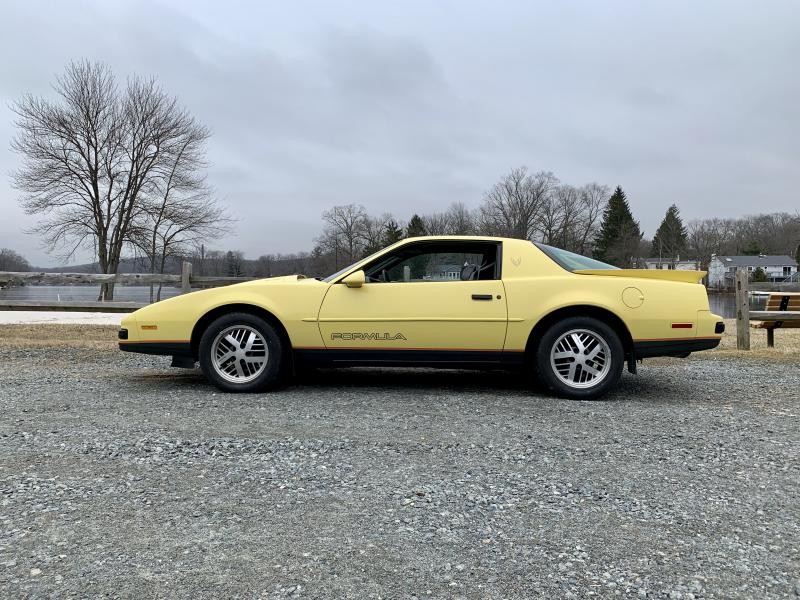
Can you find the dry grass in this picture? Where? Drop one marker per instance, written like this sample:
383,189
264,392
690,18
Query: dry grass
787,341
58,336
787,344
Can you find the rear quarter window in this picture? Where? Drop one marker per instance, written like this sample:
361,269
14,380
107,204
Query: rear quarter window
570,260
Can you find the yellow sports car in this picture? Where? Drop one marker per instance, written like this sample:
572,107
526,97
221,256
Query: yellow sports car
452,301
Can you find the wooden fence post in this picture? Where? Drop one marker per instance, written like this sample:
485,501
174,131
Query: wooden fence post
186,277
742,310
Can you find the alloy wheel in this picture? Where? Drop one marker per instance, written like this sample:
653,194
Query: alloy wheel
239,353
581,358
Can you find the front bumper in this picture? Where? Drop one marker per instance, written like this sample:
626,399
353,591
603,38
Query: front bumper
158,347
132,331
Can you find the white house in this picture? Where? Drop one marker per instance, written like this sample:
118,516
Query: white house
722,269
666,263
445,272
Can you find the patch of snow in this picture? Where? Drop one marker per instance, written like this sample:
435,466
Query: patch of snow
25,317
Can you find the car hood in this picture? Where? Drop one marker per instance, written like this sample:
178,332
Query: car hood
268,280
663,275
224,291
269,283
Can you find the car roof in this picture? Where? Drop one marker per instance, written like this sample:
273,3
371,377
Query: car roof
463,238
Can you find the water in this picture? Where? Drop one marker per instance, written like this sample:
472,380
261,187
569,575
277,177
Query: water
721,304
725,304
81,293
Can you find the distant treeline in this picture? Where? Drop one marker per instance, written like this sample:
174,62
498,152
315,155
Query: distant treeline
588,219
11,260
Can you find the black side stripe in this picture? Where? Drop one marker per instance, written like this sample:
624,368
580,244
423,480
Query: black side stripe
389,357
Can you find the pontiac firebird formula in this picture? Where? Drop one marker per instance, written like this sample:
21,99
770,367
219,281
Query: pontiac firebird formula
458,302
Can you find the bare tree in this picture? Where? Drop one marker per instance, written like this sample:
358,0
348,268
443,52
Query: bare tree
264,265
593,199
273,265
551,216
569,216
539,207
460,219
90,157
571,208
178,211
511,206
705,238
436,223
170,229
198,258
321,262
11,260
213,263
374,233
777,233
344,233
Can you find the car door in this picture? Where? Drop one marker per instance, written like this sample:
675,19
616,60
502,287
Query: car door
443,299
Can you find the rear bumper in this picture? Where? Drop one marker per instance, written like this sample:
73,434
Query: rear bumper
679,347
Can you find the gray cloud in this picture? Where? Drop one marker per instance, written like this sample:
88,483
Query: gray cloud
408,108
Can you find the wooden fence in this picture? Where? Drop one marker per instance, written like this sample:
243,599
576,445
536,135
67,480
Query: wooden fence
186,281
774,287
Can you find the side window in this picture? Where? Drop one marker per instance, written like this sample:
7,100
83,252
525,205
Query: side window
430,261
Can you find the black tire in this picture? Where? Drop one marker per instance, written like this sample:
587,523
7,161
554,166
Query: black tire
215,340
581,337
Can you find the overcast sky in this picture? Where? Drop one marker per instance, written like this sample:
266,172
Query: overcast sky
409,106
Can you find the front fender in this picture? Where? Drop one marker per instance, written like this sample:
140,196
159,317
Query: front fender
295,304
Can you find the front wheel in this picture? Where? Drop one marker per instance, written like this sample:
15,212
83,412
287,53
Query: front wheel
580,358
240,352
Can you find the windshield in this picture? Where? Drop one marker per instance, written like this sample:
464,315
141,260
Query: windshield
338,273
571,261
341,272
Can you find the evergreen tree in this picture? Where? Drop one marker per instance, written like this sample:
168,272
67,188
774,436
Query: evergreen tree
759,276
416,227
797,255
670,240
393,233
751,248
620,235
233,263
419,264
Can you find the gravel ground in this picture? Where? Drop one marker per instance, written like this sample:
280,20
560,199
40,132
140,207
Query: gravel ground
120,477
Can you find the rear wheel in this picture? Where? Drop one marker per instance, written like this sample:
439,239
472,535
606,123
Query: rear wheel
580,358
240,352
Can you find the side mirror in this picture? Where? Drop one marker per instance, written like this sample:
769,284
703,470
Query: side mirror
355,280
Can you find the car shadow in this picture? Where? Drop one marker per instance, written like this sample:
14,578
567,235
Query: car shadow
418,379
430,381
426,379
423,380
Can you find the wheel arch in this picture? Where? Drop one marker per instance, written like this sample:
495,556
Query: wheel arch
241,307
580,310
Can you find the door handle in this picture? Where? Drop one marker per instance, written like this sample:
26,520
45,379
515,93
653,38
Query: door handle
481,296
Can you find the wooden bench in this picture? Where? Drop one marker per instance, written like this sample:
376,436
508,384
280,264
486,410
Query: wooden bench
782,310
